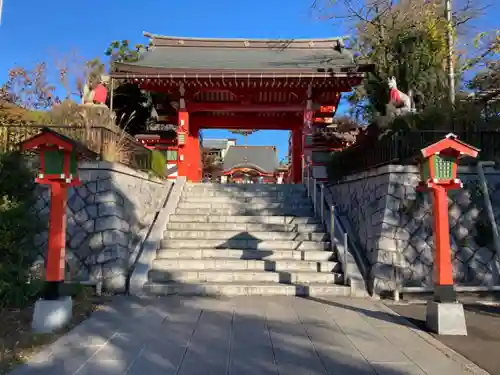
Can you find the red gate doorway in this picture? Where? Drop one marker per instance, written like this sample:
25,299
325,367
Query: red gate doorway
250,84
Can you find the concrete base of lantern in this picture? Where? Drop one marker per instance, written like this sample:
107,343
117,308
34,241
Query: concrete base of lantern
51,315
446,318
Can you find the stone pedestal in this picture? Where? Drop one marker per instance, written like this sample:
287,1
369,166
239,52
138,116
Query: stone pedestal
51,315
446,318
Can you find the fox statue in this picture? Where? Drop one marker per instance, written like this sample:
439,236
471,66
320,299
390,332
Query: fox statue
399,102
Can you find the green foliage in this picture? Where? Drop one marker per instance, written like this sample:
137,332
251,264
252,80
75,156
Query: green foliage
158,163
407,41
337,167
18,225
465,116
122,51
130,102
129,98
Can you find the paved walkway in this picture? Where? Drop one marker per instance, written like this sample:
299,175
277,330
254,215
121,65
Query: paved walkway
242,336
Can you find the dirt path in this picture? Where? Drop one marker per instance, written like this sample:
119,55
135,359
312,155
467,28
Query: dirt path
18,344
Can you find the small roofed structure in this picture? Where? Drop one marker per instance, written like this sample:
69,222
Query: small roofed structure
251,164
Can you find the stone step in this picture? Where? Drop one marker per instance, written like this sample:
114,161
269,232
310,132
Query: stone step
246,200
200,194
245,244
246,227
199,218
238,206
245,187
272,255
245,211
242,276
238,235
246,289
231,264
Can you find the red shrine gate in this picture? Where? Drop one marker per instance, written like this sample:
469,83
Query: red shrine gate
244,84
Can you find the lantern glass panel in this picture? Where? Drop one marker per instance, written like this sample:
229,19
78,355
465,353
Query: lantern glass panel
54,162
443,167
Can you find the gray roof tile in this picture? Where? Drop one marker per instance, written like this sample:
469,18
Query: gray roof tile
264,158
228,54
215,143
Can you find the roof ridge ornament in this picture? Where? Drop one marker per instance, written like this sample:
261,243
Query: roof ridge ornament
246,43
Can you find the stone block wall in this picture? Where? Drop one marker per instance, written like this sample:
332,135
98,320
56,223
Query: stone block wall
393,225
106,217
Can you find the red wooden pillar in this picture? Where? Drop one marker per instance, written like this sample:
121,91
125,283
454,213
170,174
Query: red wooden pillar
297,152
189,154
57,240
182,128
443,270
195,172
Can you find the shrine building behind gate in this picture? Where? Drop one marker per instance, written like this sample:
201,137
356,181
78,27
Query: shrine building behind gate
251,164
250,84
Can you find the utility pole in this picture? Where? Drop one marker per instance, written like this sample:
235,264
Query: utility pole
449,45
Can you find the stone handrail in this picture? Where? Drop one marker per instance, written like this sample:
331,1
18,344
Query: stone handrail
151,244
346,253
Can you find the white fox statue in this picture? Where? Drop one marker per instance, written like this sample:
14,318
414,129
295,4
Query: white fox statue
399,102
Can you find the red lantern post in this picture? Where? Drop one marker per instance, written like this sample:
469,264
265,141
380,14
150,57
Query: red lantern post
59,169
438,171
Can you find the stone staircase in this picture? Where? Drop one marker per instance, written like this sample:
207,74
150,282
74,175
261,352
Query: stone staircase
245,240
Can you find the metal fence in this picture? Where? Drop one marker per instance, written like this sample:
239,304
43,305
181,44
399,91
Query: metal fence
404,149
112,144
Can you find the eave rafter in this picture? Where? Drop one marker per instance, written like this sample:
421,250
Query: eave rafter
341,84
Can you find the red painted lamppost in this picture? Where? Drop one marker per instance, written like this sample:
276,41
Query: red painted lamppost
59,157
438,173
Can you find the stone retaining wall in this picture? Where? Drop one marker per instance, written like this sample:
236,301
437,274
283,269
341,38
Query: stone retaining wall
106,217
393,225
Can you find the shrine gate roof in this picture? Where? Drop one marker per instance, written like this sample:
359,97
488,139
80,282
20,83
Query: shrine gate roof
219,144
263,158
241,56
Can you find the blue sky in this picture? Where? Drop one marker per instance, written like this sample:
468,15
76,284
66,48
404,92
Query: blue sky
34,30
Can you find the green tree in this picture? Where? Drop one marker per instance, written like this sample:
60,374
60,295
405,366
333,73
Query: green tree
123,51
18,226
487,60
129,101
405,39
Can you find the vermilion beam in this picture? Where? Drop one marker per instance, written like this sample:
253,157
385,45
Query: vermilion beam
239,107
246,91
247,122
